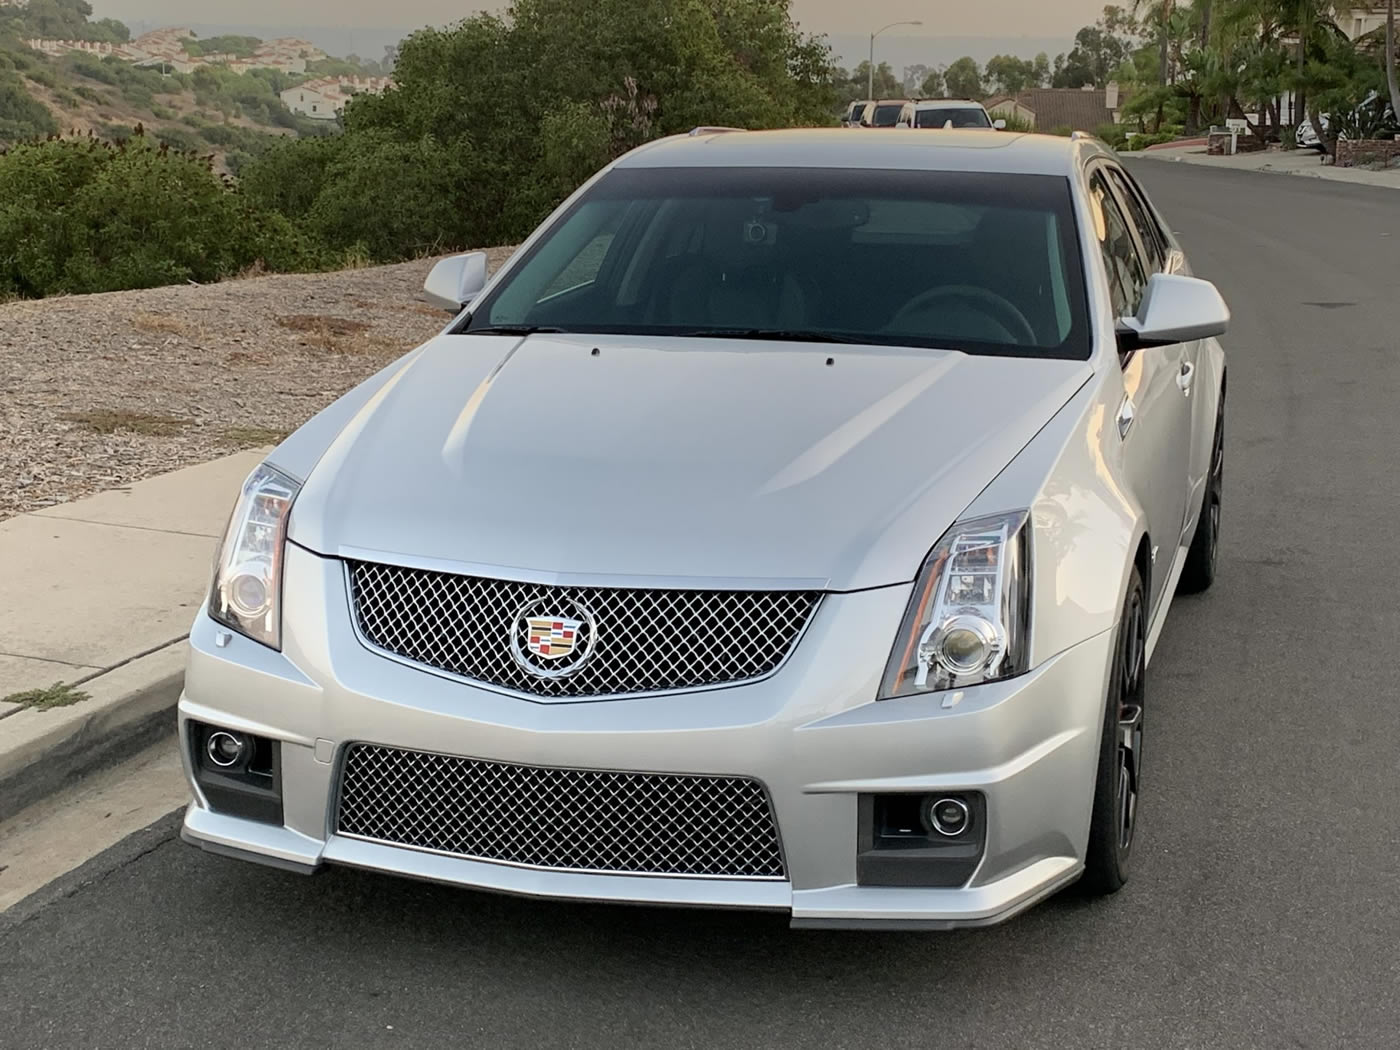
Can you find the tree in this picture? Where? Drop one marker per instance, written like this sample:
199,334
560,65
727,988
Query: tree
933,85
1009,75
1099,50
437,162
856,84
963,79
1042,70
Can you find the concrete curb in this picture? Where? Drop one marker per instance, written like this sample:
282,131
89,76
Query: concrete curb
130,706
1385,180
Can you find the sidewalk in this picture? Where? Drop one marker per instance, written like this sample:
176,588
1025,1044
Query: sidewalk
1304,163
100,594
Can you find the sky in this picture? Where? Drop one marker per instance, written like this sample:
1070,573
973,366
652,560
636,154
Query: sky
993,18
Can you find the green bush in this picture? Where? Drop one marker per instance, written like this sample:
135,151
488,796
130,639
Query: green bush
77,215
21,115
44,77
92,68
180,139
85,92
1114,134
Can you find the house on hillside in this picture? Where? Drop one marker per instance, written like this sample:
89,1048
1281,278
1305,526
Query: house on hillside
325,97
1049,109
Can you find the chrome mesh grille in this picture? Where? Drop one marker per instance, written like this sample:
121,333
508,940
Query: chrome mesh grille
643,640
564,819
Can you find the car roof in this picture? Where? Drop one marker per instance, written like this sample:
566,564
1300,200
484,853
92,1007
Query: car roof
947,103
950,150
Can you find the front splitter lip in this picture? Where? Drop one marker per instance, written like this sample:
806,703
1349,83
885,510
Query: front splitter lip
838,907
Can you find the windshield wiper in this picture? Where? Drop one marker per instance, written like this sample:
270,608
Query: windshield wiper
516,329
784,335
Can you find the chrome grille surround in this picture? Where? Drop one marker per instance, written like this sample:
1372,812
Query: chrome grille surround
647,640
582,820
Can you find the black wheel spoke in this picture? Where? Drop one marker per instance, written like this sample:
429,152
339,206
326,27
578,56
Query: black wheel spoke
1128,737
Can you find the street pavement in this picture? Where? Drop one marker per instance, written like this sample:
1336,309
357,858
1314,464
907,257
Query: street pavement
1263,909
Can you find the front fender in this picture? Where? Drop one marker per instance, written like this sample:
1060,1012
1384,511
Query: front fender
1087,524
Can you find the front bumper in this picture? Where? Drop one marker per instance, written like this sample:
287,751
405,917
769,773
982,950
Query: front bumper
812,734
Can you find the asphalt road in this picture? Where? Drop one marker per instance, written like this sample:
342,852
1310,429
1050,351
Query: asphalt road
1265,905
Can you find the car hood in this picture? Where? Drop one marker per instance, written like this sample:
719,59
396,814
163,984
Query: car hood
685,459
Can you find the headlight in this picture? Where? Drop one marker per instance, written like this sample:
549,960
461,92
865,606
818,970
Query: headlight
969,619
247,590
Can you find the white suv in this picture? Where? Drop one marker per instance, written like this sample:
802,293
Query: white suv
946,113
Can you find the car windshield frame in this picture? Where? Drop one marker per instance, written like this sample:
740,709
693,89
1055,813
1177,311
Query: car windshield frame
890,110
1031,194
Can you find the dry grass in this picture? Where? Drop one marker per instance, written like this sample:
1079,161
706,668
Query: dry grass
254,436
115,420
159,323
321,324
339,335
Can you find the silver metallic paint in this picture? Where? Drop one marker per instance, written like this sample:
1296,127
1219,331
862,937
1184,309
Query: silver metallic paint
813,732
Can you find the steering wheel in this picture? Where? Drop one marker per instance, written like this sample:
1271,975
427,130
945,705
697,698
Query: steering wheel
987,303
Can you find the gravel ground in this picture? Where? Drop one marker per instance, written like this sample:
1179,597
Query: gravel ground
98,391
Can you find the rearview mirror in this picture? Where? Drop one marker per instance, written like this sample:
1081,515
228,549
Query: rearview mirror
456,281
1000,125
1175,309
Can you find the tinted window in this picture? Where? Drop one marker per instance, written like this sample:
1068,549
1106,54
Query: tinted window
887,116
961,118
1148,231
1126,275
972,261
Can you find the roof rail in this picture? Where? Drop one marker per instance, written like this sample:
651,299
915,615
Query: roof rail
712,131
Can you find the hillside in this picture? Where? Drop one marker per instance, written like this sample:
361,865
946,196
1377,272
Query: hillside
231,109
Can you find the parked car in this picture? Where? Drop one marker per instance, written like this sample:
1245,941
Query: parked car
947,113
1374,117
851,118
672,573
882,113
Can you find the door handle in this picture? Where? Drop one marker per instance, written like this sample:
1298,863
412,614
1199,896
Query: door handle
1127,412
1186,378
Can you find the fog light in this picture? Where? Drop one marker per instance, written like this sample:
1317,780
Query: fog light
949,817
228,750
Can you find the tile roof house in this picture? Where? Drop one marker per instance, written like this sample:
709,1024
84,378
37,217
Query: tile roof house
1048,109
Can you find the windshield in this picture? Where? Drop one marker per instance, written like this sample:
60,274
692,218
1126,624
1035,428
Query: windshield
984,263
887,116
964,117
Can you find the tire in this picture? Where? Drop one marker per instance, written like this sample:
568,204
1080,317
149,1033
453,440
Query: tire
1199,572
1118,780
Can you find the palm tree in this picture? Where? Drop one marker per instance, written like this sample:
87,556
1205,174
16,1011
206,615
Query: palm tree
1159,14
1390,76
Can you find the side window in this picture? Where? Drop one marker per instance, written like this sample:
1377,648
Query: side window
1127,278
1148,231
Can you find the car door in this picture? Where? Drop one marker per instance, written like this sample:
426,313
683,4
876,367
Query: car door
1154,418
1162,256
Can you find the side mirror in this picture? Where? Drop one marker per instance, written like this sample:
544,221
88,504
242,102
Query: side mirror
1000,125
1175,309
456,281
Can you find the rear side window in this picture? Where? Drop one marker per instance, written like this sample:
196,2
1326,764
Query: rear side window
1127,277
1150,233
962,117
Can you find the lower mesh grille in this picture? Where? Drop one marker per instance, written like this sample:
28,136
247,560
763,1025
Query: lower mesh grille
566,819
